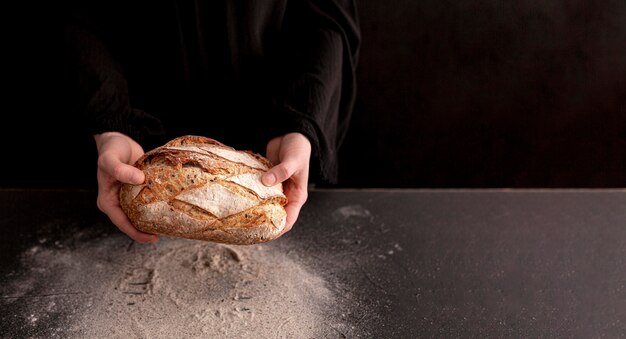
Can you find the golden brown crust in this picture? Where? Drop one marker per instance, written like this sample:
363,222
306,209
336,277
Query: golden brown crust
193,140
199,188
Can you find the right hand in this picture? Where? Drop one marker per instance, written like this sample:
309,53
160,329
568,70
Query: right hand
116,153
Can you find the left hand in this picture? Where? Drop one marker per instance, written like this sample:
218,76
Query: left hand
116,153
292,153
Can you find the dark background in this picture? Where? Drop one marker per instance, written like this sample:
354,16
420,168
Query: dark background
459,93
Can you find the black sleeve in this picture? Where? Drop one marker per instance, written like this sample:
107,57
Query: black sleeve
322,39
314,84
97,84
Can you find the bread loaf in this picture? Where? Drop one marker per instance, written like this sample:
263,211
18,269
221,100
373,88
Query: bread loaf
199,188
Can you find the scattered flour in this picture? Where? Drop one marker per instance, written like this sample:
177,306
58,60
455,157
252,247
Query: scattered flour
177,288
346,212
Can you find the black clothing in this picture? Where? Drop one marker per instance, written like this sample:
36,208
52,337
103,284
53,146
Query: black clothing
241,72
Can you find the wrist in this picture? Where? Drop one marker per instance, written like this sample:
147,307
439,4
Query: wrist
298,138
106,137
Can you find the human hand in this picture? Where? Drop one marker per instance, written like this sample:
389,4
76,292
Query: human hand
116,152
291,153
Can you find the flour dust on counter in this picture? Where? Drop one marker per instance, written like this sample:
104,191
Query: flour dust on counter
114,288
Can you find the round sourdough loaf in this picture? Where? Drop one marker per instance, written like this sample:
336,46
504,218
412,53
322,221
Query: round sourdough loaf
199,188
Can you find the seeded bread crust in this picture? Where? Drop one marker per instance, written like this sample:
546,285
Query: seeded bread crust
199,188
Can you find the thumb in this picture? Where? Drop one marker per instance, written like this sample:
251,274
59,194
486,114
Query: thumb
125,173
130,174
279,173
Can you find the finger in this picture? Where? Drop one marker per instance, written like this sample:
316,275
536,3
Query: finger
280,173
112,166
120,220
108,192
297,196
108,202
293,211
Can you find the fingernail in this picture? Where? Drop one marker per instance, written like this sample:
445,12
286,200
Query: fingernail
269,179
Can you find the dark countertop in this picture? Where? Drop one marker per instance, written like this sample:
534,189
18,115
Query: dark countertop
418,263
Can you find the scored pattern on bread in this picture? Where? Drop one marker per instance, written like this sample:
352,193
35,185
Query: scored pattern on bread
198,188
205,197
231,155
